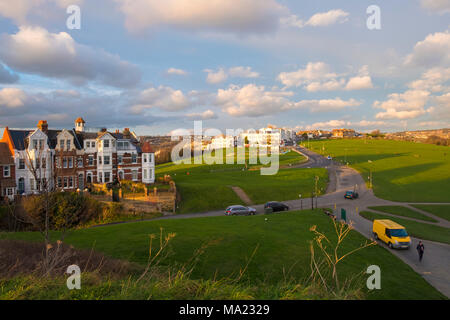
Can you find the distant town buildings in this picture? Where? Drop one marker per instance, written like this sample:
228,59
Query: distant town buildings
343,133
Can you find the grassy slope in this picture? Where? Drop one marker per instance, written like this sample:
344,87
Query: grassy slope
283,244
442,211
404,212
402,171
208,187
416,229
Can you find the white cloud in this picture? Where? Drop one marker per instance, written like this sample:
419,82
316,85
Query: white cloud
12,98
252,101
247,16
206,115
433,51
332,124
215,77
440,6
408,105
321,19
317,76
177,72
221,75
22,11
242,72
164,98
326,105
6,76
432,80
34,50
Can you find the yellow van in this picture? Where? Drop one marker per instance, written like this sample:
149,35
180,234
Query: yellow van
393,234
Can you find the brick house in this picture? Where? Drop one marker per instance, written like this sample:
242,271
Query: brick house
70,159
7,172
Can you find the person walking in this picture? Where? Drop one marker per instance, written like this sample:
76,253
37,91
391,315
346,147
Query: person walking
420,249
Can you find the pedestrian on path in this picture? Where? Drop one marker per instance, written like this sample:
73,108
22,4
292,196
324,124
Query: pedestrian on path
420,249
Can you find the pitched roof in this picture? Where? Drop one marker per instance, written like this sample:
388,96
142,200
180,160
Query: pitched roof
5,154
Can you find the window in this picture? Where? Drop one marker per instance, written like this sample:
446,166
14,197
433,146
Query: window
88,144
105,143
70,162
135,175
92,144
21,164
144,156
91,160
41,144
37,163
21,188
32,184
107,177
59,182
106,160
35,144
80,163
145,174
64,162
99,175
99,160
134,158
61,144
6,171
65,182
70,182
9,192
68,144
44,163
120,159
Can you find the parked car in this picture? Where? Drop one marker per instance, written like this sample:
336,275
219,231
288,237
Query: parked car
351,195
240,211
276,206
391,233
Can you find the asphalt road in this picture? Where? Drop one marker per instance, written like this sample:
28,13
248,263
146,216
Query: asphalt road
435,266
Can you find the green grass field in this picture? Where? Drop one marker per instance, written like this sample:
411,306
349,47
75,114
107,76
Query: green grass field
442,211
208,187
283,250
415,229
402,171
404,212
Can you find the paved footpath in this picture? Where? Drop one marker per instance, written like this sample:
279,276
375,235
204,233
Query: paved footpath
435,266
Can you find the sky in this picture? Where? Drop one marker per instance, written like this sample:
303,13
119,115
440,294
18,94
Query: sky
157,66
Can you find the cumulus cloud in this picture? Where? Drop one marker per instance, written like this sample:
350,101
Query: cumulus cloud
12,98
6,76
256,101
317,76
433,51
439,6
221,75
249,16
24,12
432,80
177,72
34,50
321,19
164,98
252,100
407,105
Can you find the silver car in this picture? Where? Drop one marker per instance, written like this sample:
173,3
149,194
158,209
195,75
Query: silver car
240,211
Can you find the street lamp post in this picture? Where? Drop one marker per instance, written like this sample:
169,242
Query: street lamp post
301,202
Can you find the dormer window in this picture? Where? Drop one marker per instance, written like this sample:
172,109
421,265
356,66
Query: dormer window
88,144
105,143
61,144
68,144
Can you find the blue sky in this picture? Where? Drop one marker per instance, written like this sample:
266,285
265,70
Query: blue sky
156,66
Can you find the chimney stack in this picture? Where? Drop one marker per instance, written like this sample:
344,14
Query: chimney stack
43,126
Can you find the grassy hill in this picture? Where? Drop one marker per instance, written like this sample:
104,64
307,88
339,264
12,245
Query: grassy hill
208,187
402,171
283,250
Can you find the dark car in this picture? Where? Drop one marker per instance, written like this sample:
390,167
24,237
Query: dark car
276,206
240,211
351,195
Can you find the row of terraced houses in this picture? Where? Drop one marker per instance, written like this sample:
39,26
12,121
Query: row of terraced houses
71,159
